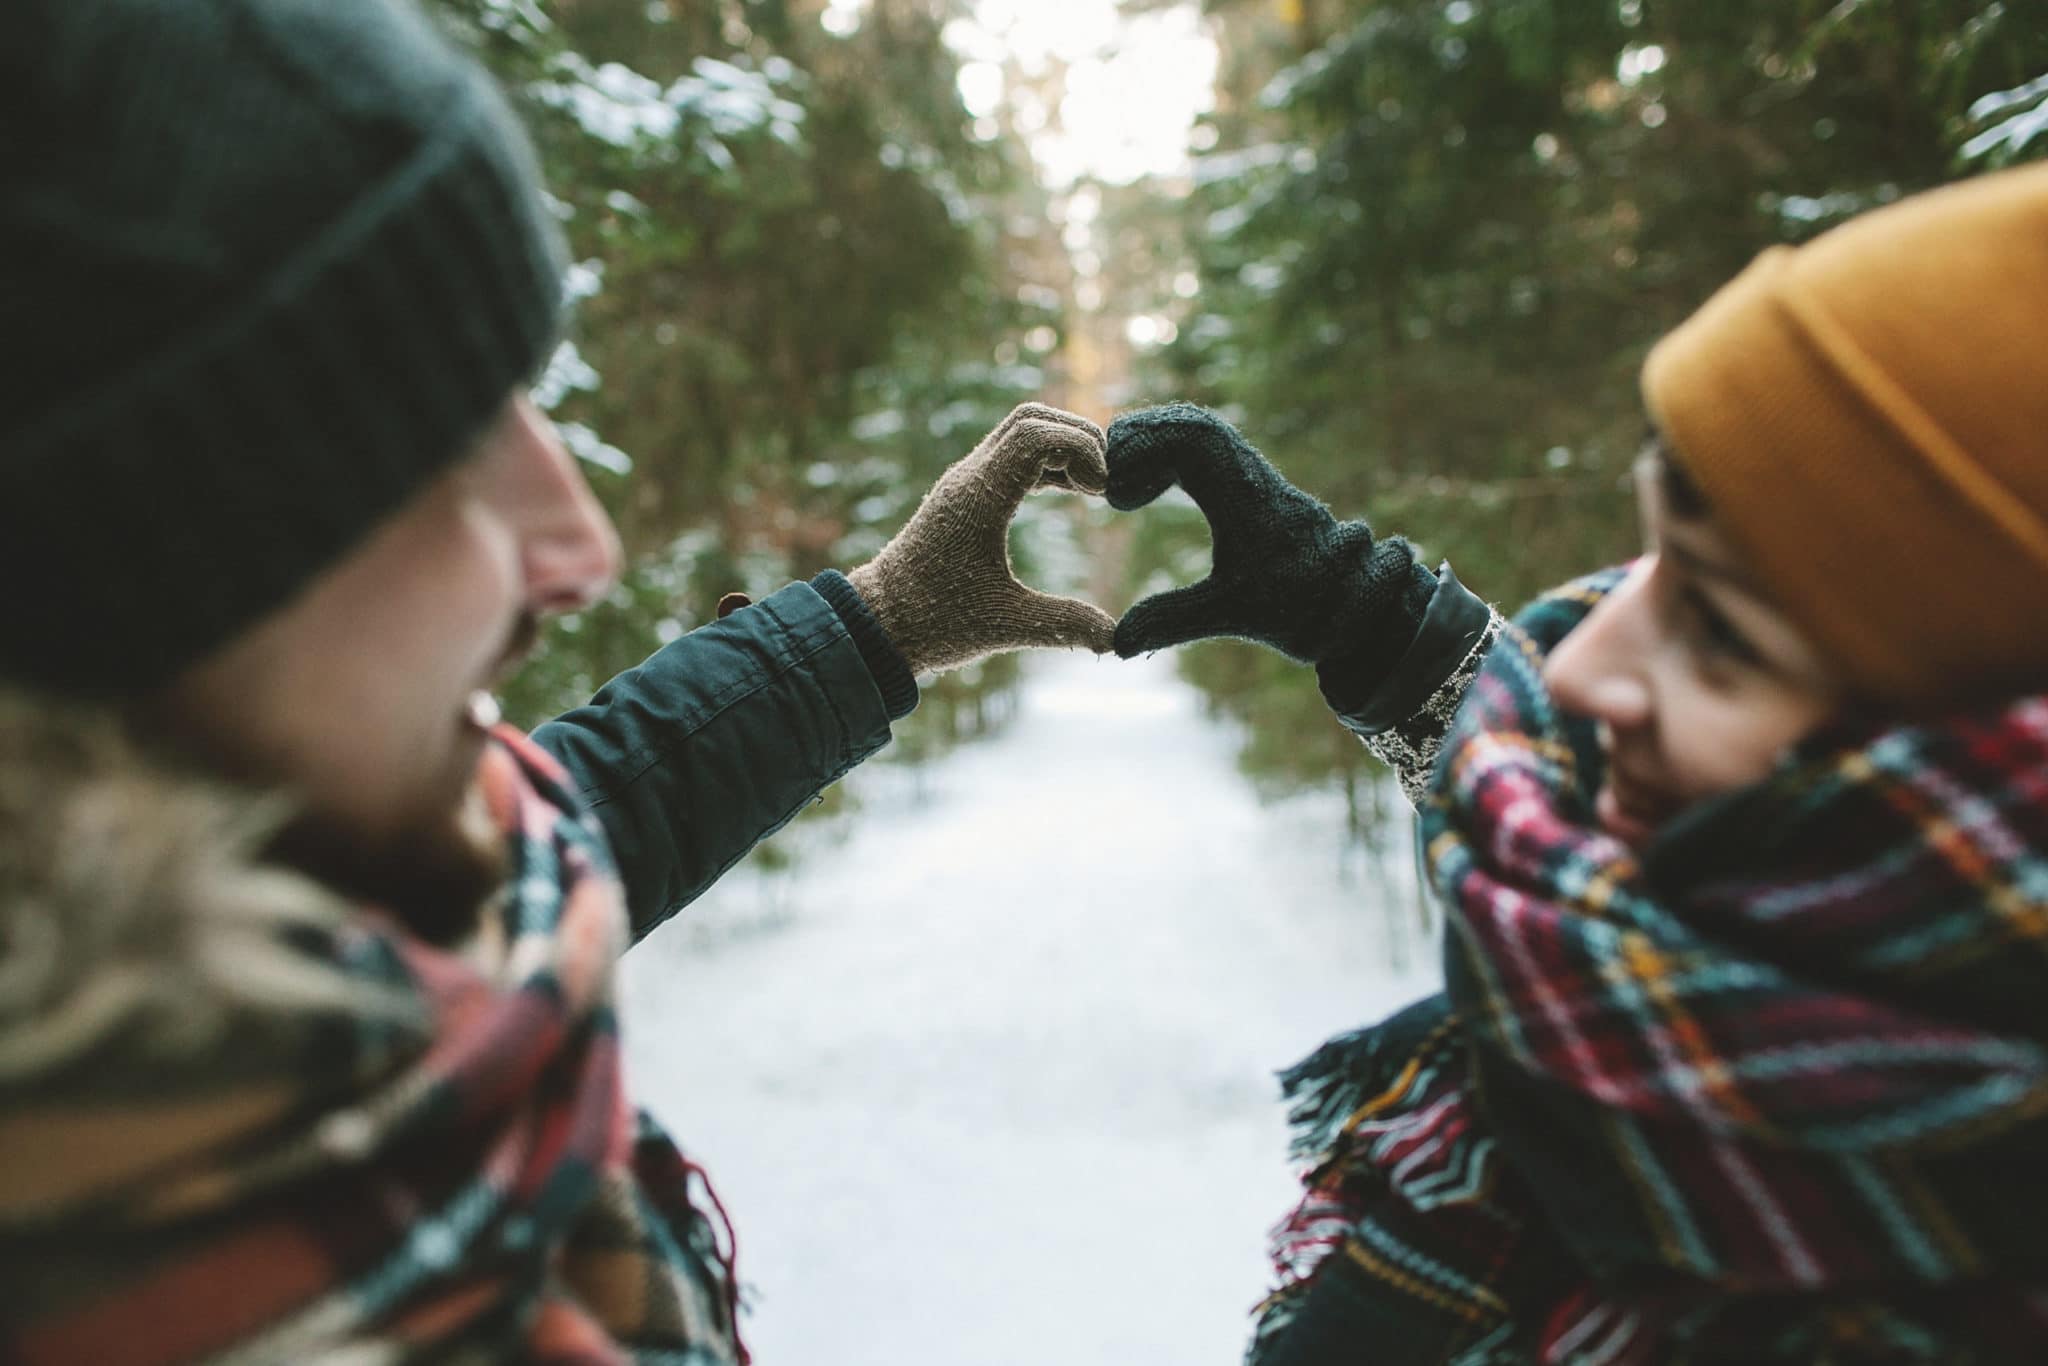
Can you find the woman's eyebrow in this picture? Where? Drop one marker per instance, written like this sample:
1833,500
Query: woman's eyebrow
1654,493
1712,570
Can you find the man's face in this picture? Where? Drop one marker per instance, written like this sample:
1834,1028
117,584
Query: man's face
1697,680
367,697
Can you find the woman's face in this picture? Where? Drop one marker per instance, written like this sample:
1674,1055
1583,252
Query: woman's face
1697,681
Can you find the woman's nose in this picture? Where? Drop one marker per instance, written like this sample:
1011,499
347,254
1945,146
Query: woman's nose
1601,670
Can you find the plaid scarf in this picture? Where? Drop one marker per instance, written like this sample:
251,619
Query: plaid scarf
436,1161
1776,1092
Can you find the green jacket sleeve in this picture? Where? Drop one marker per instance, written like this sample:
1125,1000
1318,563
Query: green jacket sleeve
719,738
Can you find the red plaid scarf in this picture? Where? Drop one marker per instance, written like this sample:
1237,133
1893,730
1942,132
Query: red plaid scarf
450,1169
1776,1093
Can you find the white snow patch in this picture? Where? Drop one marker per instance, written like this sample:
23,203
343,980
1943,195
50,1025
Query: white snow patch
1004,1039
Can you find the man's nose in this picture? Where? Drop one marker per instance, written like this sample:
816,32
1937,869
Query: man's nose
1601,670
569,549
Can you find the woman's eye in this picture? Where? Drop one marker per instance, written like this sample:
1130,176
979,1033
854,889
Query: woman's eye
1715,631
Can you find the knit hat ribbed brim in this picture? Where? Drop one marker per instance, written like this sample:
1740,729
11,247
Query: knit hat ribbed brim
283,262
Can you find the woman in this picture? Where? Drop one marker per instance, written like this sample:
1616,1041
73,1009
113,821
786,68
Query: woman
1743,1049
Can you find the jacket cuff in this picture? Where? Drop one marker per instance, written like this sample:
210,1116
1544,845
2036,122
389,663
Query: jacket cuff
898,685
1454,620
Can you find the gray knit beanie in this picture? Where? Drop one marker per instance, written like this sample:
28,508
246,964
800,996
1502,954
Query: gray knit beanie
266,267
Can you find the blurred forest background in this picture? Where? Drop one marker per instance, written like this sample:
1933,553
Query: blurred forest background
1417,248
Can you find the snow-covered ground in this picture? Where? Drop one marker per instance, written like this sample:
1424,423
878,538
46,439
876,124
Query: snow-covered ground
987,1080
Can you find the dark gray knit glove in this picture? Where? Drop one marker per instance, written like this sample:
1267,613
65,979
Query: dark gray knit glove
943,588
1285,573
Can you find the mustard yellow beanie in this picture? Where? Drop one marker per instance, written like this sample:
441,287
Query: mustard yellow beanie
1867,415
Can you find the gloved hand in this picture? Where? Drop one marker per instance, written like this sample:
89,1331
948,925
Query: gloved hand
943,588
1286,573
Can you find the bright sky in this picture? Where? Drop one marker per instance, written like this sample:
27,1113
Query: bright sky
1133,85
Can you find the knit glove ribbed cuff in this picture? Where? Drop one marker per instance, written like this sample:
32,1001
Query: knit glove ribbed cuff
1286,573
943,588
890,670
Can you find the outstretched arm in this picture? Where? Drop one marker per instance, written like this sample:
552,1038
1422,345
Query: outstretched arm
716,741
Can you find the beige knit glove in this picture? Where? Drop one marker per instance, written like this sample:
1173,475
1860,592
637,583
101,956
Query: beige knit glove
943,588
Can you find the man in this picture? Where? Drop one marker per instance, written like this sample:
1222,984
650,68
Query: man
306,1044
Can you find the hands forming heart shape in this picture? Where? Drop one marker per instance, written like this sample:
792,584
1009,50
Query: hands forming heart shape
1286,573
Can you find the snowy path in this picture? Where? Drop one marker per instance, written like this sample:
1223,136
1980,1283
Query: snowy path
987,1082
